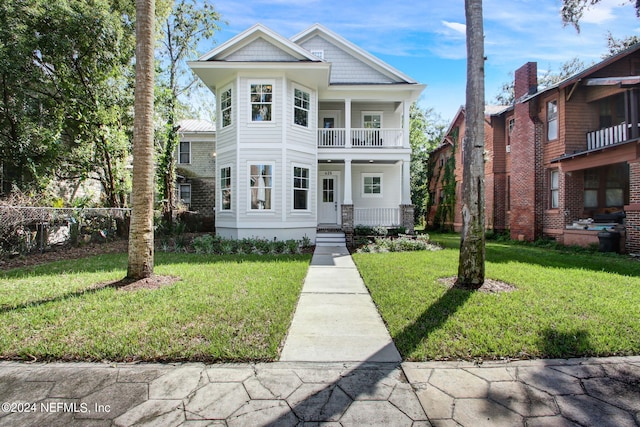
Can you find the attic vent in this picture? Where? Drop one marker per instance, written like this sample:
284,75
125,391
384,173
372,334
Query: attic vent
508,148
318,53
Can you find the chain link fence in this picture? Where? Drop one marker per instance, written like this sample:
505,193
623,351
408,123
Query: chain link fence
25,229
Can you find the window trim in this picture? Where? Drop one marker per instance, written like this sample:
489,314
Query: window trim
272,187
555,119
365,175
295,166
230,188
223,109
372,113
180,162
295,107
263,82
554,190
180,199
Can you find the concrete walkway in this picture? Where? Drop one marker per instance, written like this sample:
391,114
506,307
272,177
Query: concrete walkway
336,320
338,368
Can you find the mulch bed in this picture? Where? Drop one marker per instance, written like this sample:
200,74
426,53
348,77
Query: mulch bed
489,286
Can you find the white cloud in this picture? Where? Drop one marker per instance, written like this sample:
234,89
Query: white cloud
601,12
456,26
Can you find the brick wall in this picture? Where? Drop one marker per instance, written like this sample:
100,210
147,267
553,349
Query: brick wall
203,195
633,210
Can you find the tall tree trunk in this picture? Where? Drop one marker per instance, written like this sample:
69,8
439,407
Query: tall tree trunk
141,230
472,252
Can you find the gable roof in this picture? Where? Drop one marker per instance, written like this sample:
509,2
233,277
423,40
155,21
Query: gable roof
576,78
258,31
355,51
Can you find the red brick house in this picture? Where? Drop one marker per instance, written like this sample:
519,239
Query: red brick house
563,155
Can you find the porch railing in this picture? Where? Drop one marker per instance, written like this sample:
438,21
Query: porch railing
360,138
607,136
373,217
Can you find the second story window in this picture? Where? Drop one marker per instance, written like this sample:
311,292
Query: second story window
511,124
225,107
372,120
261,102
301,107
184,154
552,120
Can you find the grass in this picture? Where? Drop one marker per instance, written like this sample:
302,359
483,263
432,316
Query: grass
566,304
224,308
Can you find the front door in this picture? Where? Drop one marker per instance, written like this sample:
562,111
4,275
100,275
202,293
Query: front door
328,210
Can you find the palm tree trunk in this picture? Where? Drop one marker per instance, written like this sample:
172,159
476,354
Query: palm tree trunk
141,230
472,252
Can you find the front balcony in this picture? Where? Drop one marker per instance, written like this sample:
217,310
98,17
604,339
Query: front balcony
360,138
608,136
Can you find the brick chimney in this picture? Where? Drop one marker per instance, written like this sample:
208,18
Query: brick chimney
525,159
526,80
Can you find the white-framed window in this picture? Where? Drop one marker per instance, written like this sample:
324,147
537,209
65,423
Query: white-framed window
318,52
371,119
301,106
261,102
261,186
184,152
225,188
184,193
552,120
226,107
301,179
554,189
371,185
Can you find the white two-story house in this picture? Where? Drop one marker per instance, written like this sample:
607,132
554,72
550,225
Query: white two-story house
312,134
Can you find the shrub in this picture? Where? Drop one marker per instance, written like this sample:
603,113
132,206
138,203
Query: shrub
401,244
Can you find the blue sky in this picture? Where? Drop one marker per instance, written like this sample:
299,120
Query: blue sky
426,38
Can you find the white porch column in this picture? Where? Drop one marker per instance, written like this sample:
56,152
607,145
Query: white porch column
406,126
406,182
348,197
347,122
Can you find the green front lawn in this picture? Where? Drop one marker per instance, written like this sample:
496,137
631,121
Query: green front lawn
230,308
566,304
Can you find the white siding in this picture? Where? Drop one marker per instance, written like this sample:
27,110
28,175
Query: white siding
391,185
260,50
345,68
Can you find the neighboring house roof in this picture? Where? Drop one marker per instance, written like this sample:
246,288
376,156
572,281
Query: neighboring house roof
576,78
195,126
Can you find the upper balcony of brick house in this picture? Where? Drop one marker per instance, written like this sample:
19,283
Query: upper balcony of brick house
614,119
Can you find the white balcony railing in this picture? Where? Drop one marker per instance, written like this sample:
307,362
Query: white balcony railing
607,136
373,217
360,138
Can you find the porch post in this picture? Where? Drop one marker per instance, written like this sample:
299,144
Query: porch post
347,204
347,122
348,197
406,182
406,126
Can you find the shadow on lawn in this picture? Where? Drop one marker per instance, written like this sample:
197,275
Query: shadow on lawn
331,403
111,262
504,252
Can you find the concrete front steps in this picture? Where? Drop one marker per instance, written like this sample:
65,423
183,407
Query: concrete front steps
330,238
